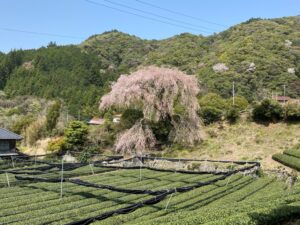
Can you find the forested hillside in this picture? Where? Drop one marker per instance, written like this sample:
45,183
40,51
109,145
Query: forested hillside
259,55
56,72
119,51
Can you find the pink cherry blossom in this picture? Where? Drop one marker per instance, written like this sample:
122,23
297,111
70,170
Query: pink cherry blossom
157,91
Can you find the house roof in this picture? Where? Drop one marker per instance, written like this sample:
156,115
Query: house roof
96,121
8,135
282,98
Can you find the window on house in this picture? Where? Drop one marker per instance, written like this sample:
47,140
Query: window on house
4,146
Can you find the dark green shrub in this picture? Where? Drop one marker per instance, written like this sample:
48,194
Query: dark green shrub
212,108
240,103
213,100
268,111
76,135
260,172
161,130
232,114
129,117
57,145
210,114
292,112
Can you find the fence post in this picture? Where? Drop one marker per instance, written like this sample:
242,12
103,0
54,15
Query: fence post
62,178
12,161
245,170
7,179
140,169
229,176
92,169
169,201
140,172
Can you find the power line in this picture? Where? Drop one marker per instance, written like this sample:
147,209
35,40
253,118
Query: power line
179,13
40,33
142,16
157,15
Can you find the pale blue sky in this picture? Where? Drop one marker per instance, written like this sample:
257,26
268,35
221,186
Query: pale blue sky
83,18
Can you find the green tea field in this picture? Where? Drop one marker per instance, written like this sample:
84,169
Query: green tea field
143,196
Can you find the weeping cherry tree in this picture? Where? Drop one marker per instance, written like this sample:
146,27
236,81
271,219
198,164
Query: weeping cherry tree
161,94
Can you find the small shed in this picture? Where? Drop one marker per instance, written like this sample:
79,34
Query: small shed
8,141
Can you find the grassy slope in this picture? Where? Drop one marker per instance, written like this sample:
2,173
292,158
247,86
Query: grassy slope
246,141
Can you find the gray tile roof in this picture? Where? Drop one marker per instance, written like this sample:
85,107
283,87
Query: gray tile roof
8,135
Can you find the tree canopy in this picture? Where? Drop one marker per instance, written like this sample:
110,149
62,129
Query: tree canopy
260,55
158,93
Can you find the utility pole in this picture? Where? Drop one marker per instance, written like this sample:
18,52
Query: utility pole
233,92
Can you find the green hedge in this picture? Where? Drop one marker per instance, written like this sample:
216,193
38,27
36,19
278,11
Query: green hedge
293,152
287,160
